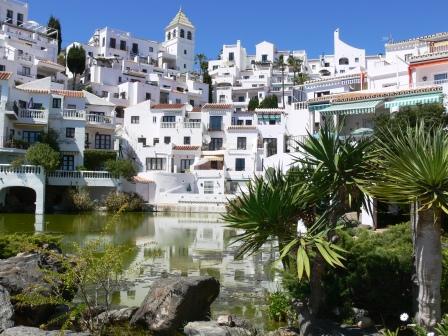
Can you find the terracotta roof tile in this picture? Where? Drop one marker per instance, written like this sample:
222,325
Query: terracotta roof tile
363,95
168,106
217,106
186,147
426,37
196,109
141,179
4,75
65,93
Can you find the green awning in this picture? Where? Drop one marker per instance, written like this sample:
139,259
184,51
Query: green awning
318,107
414,100
352,108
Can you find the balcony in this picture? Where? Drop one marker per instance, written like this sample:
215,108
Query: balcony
100,120
192,125
82,178
11,143
32,116
25,74
69,114
25,57
167,125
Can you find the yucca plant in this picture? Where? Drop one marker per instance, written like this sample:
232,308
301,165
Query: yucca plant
411,167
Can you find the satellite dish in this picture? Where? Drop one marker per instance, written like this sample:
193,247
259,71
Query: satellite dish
206,139
189,108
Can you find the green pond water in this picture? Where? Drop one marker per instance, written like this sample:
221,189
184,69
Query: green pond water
197,244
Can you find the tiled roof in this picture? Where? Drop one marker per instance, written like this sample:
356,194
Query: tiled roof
241,127
426,37
141,179
186,147
5,75
180,18
217,106
65,93
168,106
196,109
363,95
50,62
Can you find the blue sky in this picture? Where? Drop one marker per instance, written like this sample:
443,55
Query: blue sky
290,24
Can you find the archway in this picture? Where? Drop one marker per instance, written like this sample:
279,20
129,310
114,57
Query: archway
18,199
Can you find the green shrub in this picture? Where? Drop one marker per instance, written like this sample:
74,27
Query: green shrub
269,102
442,327
95,159
81,199
253,103
280,308
121,168
120,201
12,244
41,154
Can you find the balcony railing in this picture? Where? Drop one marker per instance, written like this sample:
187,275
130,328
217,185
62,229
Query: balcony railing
25,74
33,114
27,58
24,169
167,125
67,174
99,119
73,114
8,142
192,124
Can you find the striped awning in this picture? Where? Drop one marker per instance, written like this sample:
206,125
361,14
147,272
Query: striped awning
414,100
362,107
318,107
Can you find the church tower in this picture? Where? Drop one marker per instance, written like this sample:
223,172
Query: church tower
180,41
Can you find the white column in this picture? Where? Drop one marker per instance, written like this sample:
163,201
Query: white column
40,200
39,223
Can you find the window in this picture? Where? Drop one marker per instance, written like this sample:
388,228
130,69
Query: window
215,123
178,101
213,164
19,19
174,33
2,67
208,187
155,141
151,49
215,144
185,51
144,70
169,119
30,136
240,164
148,96
70,132
231,56
313,67
343,61
241,143
189,35
166,140
168,36
9,16
264,58
142,141
215,67
222,98
102,141
191,102
135,119
122,45
241,99
261,76
57,102
135,48
239,122
185,164
155,163
154,120
356,59
68,163
440,78
187,140
182,33
112,43
185,66
271,146
248,122
26,71
103,42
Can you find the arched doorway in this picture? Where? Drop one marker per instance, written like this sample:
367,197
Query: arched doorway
18,199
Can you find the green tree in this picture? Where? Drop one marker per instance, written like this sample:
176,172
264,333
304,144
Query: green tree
50,138
121,168
76,62
280,64
410,166
41,154
269,102
202,62
55,24
253,103
295,63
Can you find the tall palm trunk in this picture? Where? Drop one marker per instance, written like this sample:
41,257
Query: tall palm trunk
428,266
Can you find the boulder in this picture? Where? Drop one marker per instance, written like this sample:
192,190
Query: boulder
118,316
365,323
6,310
286,331
29,331
174,301
210,328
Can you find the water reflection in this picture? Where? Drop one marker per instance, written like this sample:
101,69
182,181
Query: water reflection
174,244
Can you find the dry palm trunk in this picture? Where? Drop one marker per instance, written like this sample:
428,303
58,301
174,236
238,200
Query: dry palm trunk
428,266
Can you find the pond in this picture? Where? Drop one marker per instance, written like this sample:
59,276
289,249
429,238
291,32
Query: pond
196,244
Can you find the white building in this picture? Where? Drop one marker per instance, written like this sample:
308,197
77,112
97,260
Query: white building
27,49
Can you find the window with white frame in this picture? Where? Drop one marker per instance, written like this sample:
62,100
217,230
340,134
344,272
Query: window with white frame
155,163
208,187
70,132
135,119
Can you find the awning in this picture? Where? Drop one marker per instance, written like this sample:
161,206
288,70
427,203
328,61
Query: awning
214,158
352,108
414,100
318,107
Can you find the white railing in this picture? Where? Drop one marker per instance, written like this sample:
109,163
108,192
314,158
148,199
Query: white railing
24,169
192,125
100,119
67,174
73,114
167,125
301,105
38,115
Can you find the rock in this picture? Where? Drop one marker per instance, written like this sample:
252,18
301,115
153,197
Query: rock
6,310
286,331
225,320
210,328
117,316
30,331
365,322
174,301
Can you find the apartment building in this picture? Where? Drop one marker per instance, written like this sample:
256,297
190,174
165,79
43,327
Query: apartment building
27,49
127,70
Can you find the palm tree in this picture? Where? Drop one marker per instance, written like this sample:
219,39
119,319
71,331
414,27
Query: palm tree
295,63
201,61
279,63
411,167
